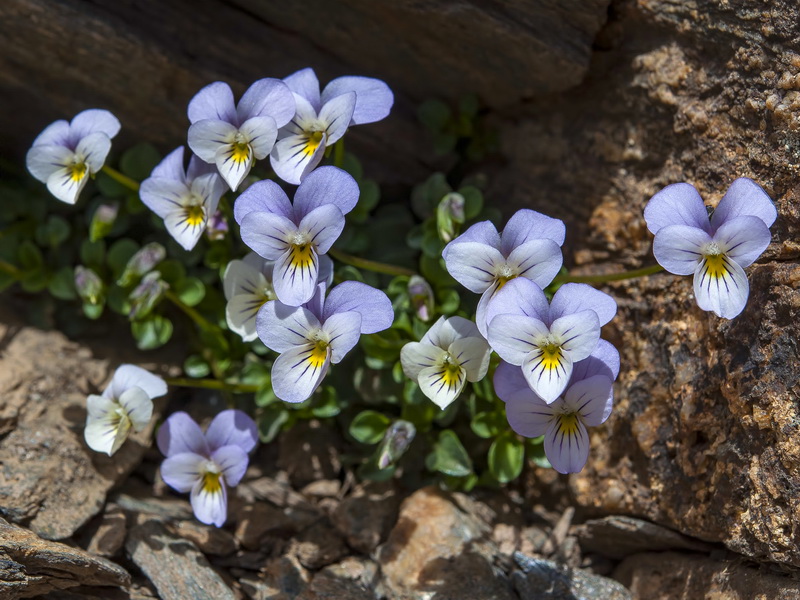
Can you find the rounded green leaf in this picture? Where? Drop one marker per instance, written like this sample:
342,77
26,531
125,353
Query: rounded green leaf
196,366
270,419
152,332
29,256
62,284
369,426
449,456
191,291
139,161
119,254
506,457
488,424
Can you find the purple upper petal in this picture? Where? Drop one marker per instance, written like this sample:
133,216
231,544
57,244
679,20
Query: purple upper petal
267,97
305,83
509,383
484,233
57,133
373,305
94,121
171,167
264,196
374,99
604,360
128,376
198,168
528,225
232,462
326,185
232,427
519,296
215,101
575,297
744,197
179,434
676,204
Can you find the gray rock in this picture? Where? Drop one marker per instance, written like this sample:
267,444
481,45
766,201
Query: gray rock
541,579
366,517
620,536
318,546
176,567
31,566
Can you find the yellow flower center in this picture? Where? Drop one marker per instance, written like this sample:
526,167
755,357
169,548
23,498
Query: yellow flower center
211,482
77,171
313,142
302,256
568,423
195,215
240,152
551,356
715,264
319,354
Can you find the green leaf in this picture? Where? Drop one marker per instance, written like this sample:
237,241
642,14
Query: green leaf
119,254
93,311
172,271
506,457
473,201
191,291
53,232
152,332
139,161
29,256
326,403
35,281
109,187
196,366
62,284
449,301
536,453
488,424
449,456
434,114
369,426
265,395
93,254
270,420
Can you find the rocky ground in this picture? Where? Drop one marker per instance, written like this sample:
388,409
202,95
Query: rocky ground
76,524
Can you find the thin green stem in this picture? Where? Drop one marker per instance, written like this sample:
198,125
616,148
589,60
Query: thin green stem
212,384
609,277
338,153
10,269
195,316
369,265
121,178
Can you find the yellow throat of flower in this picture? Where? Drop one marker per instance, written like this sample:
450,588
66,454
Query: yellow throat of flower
319,354
302,256
195,215
77,171
551,356
313,142
568,423
715,264
240,152
211,482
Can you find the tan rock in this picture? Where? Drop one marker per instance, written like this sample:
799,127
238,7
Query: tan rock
366,517
673,576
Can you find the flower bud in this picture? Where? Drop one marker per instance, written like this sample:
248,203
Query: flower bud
147,295
395,442
217,227
89,285
421,295
449,215
103,221
141,263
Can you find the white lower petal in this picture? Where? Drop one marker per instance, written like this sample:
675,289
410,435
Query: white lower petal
721,286
66,183
442,383
138,407
107,426
298,372
294,277
547,373
184,229
234,162
416,356
295,156
209,500
566,444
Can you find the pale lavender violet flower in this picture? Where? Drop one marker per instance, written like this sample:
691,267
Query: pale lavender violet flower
586,401
296,235
127,402
451,353
65,154
546,340
234,137
322,119
716,252
184,199
483,260
204,464
311,337
247,284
